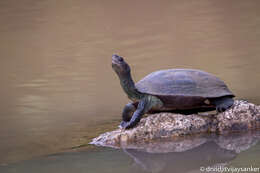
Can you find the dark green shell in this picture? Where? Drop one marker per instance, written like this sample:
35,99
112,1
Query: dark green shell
183,82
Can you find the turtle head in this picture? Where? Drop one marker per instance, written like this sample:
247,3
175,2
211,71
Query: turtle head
123,71
120,66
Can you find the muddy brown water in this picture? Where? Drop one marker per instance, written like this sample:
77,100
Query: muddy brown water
58,89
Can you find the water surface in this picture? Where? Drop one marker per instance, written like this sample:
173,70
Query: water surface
192,155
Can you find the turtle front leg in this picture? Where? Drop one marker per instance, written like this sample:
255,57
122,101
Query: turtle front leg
127,113
136,116
143,107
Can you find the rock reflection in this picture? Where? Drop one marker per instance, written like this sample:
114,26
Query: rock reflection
189,155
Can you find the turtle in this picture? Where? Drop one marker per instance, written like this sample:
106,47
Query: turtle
171,90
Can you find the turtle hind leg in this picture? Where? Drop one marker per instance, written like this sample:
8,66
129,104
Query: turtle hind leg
223,103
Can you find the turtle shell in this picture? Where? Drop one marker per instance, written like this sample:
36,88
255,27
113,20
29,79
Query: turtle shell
183,82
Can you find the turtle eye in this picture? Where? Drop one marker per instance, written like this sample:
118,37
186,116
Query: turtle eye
120,59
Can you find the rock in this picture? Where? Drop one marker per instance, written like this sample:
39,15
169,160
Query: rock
240,117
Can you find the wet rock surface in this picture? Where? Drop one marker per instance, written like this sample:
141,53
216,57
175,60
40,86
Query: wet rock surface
243,116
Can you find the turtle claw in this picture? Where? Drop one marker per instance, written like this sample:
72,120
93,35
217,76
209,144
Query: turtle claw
124,125
222,108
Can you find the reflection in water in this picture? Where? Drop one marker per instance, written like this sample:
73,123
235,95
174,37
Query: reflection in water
207,154
188,157
215,151
57,86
